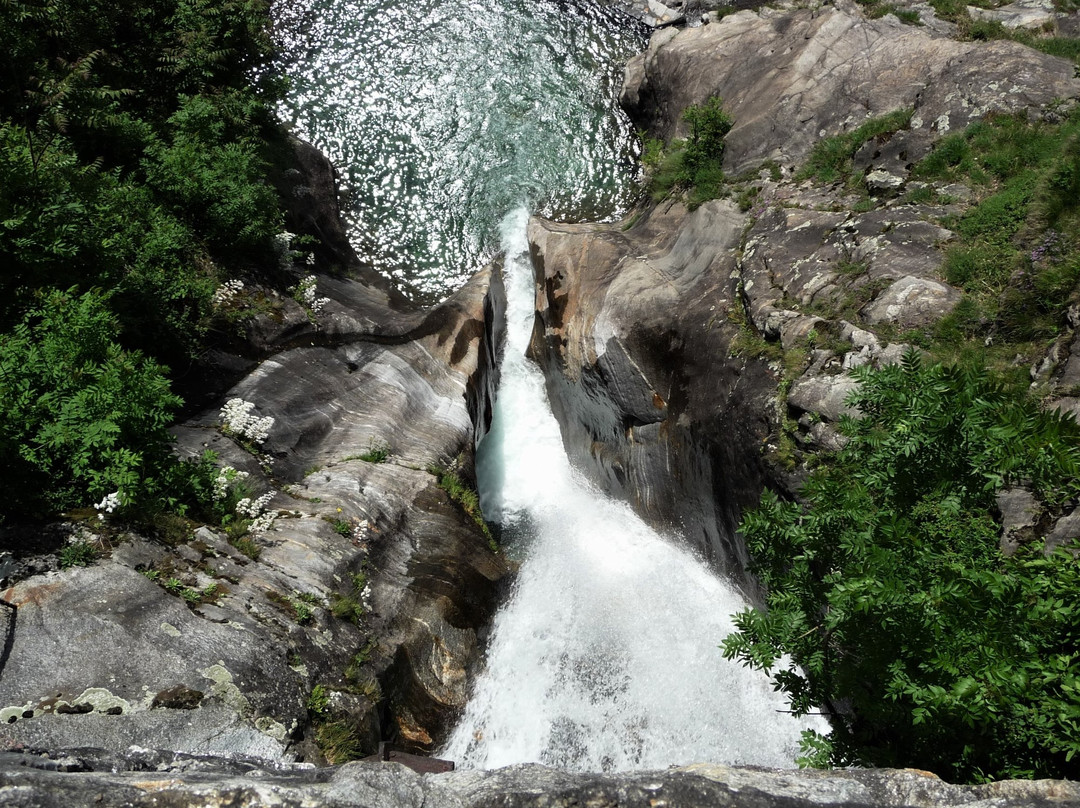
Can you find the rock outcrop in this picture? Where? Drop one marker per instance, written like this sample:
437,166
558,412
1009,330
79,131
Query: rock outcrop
689,354
83,778
370,588
789,78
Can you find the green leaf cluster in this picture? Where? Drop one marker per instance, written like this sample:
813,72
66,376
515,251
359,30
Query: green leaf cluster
80,416
136,143
889,604
693,165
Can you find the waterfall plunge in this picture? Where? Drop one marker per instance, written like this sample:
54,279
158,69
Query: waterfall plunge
605,657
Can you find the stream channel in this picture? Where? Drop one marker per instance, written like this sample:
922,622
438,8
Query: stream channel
450,123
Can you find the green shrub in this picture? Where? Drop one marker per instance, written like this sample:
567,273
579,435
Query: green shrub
80,417
216,178
902,619
694,165
134,146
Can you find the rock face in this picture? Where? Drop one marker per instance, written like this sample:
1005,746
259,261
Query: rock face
789,78
632,332
688,354
370,584
148,779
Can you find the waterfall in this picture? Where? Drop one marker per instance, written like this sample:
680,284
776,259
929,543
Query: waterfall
606,655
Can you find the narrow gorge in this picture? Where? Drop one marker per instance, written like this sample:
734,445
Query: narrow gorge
521,414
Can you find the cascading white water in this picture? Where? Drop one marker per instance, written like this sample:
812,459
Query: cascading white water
605,657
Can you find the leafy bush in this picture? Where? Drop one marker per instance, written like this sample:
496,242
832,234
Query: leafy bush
134,144
888,593
80,416
694,165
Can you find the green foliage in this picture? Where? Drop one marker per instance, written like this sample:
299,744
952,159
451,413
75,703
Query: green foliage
298,609
888,592
212,173
830,159
134,145
694,165
79,554
875,9
246,545
377,452
466,498
318,701
80,417
350,606
951,10
1017,255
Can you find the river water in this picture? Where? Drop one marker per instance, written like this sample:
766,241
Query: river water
451,122
444,115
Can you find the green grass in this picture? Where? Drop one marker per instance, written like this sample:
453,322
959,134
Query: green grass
465,497
874,9
830,160
1017,256
337,741
349,606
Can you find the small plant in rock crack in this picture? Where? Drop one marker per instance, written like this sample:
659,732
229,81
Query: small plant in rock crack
354,605
304,293
377,452
319,701
79,554
297,609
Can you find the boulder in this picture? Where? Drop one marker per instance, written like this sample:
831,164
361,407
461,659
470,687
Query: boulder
824,395
1019,512
826,70
912,302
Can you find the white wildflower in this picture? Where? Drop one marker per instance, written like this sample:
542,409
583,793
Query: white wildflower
226,476
240,421
108,504
226,292
262,523
252,508
282,245
304,294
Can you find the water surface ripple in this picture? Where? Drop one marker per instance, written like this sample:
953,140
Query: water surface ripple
443,116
